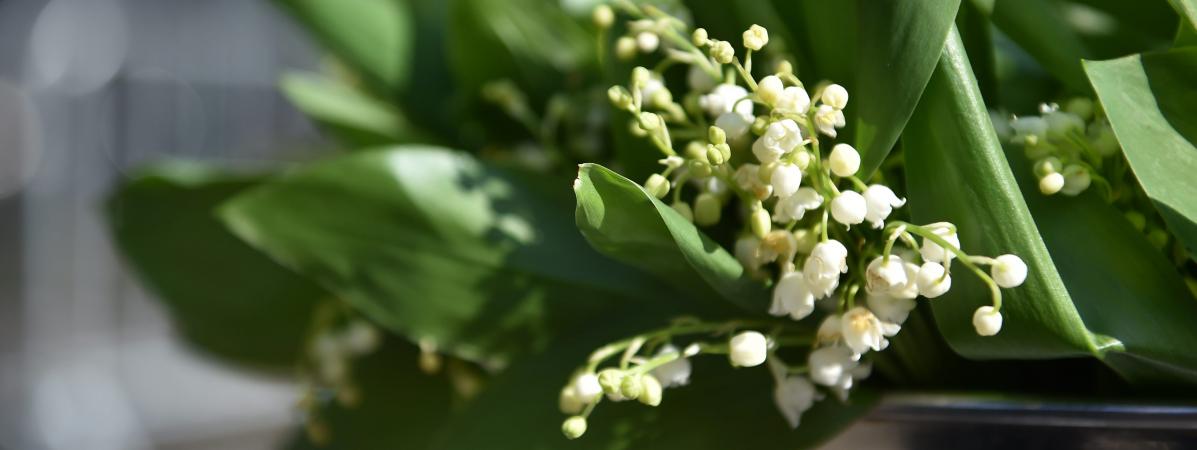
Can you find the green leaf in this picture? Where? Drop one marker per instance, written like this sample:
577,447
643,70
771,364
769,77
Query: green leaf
434,244
1038,26
1188,21
624,222
374,37
400,407
956,172
826,36
227,300
721,408
355,118
899,48
1103,291
1149,100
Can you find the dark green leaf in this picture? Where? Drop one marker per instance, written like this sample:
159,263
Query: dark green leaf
227,299
826,35
1150,100
900,44
374,37
623,221
356,118
1188,21
956,172
401,407
1039,27
434,244
722,408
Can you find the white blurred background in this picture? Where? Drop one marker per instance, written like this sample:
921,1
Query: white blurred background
90,89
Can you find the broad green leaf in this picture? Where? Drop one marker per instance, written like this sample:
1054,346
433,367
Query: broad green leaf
225,298
1188,14
400,406
826,35
434,244
374,37
1150,100
624,222
1038,26
956,172
721,408
354,117
1111,28
1103,290
899,47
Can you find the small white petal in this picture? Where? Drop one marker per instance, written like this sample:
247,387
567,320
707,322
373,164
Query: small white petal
849,208
835,96
933,280
880,201
844,160
933,252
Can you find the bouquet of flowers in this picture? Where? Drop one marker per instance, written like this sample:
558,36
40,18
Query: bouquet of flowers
780,210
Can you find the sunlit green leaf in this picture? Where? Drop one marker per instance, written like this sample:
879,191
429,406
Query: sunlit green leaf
356,118
374,37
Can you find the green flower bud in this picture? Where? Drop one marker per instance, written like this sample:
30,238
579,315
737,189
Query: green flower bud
784,68
625,48
1158,238
722,51
707,209
1048,165
683,209
715,154
574,427
716,135
699,38
761,223
649,121
640,75
1080,106
699,168
802,158
657,185
1137,220
620,98
603,16
610,380
630,387
759,125
636,130
651,390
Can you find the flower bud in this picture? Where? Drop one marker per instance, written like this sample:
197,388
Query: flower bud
647,41
569,402
760,222
793,99
1137,220
611,380
756,37
707,209
1008,271
651,390
759,125
625,48
683,209
603,16
748,349
835,96
1047,166
574,427
1062,125
885,274
802,158
620,97
587,387
699,37
715,154
700,168
650,121
1076,180
1158,238
716,135
987,320
1051,183
1080,106
631,387
769,89
657,185
934,252
722,52
849,208
933,280
844,160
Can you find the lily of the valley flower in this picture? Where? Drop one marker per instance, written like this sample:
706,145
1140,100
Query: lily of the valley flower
832,366
791,296
734,123
823,267
934,252
786,179
849,208
756,37
844,160
769,89
885,274
835,96
726,98
794,100
794,207
880,201
933,280
779,138
673,373
793,396
1008,271
890,309
863,331
827,119
987,320
748,349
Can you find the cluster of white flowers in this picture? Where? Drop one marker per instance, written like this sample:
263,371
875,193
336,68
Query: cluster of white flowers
811,224
1068,145
332,351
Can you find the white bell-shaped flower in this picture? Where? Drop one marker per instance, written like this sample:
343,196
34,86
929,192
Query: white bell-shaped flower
726,98
786,180
880,201
835,96
830,330
779,138
827,119
987,320
844,160
793,99
569,402
1076,180
1029,130
830,365
672,373
1051,183
885,274
889,308
823,267
849,208
748,349
1061,125
911,289
934,252
747,251
769,89
791,296
933,280
699,80
1008,271
793,396
794,207
734,124
647,41
587,387
863,331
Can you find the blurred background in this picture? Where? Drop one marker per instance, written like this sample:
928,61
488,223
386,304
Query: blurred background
90,89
